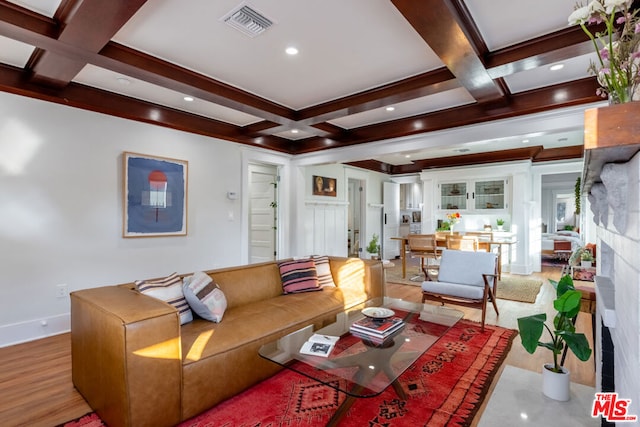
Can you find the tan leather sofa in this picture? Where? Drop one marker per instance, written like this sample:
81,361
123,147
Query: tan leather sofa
136,366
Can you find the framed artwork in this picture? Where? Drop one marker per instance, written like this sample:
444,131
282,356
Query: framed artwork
323,186
155,196
416,216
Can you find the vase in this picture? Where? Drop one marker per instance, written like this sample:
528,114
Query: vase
626,94
585,264
555,385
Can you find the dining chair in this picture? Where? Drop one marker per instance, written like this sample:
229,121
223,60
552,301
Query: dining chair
424,246
463,243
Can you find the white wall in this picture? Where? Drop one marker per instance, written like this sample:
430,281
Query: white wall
321,221
618,252
61,209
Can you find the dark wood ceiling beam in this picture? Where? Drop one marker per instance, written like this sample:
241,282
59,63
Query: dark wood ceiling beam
545,50
425,84
535,154
436,23
527,153
21,25
560,153
86,24
13,80
373,165
535,101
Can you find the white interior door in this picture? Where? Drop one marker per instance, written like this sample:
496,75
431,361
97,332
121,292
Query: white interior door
263,209
391,220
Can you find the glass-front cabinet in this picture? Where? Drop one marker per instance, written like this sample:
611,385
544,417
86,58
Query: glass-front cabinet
489,195
474,195
453,196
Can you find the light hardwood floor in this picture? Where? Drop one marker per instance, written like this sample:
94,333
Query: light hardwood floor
35,379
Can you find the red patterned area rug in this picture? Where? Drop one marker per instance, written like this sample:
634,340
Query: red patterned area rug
445,387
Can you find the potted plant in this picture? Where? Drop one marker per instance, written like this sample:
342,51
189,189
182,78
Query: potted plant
374,247
586,258
500,223
555,378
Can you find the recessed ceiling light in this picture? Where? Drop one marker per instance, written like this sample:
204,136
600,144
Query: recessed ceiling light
291,50
294,131
408,156
189,98
556,67
390,108
123,81
525,141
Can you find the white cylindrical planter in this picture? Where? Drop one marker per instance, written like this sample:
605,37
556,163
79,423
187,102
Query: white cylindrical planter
585,263
555,385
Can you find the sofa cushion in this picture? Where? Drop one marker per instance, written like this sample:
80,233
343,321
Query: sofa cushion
323,269
259,322
168,290
453,289
299,276
205,296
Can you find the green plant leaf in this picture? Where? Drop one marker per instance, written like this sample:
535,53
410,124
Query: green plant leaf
568,303
530,328
565,284
578,344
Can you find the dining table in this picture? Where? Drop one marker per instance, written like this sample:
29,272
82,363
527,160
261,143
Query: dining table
441,241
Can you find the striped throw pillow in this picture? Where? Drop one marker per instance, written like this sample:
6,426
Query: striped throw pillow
299,276
205,296
323,268
168,290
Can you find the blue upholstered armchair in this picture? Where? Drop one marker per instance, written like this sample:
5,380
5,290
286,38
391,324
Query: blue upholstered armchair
465,278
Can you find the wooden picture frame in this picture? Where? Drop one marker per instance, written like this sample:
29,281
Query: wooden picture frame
154,196
324,186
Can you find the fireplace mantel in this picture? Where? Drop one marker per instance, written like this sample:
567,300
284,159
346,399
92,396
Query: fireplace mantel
611,135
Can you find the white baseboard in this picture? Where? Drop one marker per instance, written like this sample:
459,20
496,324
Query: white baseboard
31,330
522,269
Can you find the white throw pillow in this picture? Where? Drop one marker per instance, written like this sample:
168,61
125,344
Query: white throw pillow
168,290
205,296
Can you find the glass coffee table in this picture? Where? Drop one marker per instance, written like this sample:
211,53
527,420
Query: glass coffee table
359,367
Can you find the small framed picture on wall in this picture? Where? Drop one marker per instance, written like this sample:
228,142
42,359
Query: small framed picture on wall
323,186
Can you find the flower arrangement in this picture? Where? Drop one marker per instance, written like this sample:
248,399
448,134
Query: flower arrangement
454,218
618,71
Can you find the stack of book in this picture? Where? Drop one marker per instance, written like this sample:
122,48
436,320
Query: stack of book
378,331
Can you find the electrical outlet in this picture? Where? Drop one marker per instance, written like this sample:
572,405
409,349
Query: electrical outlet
62,291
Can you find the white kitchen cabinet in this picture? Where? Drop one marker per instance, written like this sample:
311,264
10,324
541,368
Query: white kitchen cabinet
480,195
410,196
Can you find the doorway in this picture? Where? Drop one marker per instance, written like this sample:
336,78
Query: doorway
355,217
263,213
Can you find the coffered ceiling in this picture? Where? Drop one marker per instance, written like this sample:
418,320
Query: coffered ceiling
403,72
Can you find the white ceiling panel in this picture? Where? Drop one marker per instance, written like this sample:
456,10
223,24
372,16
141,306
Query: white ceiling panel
574,68
506,22
43,7
344,46
426,104
114,82
14,53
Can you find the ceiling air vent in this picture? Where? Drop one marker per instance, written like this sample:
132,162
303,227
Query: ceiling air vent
247,20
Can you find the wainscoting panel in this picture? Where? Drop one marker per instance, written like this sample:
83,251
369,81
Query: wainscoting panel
326,228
